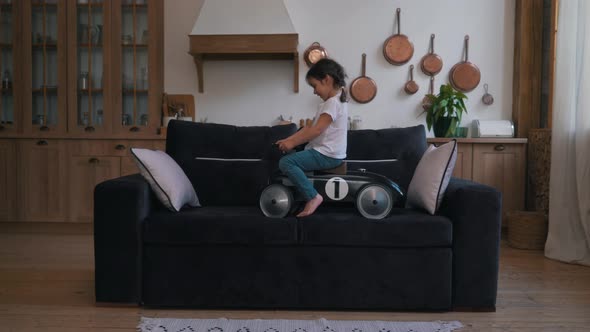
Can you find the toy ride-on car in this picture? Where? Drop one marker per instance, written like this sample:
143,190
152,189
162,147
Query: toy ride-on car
373,194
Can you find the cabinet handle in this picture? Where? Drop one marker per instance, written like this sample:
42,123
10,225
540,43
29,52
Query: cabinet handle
120,147
499,147
93,161
44,128
42,143
134,129
89,129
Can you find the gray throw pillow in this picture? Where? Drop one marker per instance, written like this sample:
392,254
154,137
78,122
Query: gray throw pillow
432,177
166,178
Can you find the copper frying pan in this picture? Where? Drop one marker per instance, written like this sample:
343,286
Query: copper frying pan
411,86
398,49
465,76
431,63
363,89
314,53
427,100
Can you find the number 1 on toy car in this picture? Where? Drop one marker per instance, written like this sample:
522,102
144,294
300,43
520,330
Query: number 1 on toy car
336,188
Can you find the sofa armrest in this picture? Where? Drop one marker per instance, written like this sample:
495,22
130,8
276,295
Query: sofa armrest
476,213
120,205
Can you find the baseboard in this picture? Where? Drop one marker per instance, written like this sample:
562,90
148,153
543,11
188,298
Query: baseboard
46,228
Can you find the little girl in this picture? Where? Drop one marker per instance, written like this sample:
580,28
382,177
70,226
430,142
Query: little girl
326,136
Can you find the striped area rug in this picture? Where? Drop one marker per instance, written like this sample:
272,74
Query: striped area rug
286,325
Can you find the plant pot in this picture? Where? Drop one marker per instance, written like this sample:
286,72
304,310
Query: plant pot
442,127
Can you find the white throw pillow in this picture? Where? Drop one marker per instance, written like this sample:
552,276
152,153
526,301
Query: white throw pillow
432,177
166,178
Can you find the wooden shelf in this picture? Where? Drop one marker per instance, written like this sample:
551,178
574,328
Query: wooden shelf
131,5
52,46
245,47
91,91
132,91
42,4
86,45
134,45
48,90
90,4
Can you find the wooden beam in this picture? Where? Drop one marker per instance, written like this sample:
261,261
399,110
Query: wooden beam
528,42
553,37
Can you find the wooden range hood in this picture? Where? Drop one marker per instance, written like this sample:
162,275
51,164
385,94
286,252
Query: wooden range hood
244,30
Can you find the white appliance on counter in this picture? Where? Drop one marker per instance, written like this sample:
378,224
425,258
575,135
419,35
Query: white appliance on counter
493,128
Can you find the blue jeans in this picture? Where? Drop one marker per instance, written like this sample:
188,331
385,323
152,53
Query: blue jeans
295,164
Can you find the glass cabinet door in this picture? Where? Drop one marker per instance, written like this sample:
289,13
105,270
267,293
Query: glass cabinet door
137,52
9,119
45,79
89,38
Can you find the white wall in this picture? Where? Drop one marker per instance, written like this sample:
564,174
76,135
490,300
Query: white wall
257,92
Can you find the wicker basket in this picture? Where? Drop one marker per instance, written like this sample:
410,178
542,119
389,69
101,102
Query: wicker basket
527,229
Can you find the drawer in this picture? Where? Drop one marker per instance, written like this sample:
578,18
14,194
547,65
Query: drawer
98,148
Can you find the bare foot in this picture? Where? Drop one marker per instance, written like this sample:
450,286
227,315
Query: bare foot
311,206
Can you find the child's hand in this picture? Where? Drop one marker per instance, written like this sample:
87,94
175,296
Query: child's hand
285,145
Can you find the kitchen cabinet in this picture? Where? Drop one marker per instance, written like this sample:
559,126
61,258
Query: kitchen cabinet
10,68
44,69
89,83
89,50
463,166
94,161
87,68
497,162
85,172
42,177
502,166
137,66
7,180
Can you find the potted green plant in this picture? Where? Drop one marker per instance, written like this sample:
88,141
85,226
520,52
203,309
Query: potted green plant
445,111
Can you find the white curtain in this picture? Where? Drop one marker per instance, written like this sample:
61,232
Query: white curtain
569,192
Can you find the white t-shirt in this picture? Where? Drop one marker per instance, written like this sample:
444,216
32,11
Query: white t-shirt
332,142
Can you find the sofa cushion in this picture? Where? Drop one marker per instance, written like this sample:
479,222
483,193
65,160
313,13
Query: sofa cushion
225,182
186,140
166,178
398,149
432,176
236,225
404,228
228,165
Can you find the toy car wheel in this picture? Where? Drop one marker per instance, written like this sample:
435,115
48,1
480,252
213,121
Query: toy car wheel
374,201
276,201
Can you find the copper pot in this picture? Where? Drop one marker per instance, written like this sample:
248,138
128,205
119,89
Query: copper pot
314,53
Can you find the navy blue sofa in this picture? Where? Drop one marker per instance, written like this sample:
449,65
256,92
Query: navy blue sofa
227,254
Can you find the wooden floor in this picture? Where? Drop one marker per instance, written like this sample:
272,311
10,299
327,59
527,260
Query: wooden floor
46,284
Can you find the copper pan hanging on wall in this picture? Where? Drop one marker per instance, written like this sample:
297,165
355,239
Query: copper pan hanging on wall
411,86
427,100
363,89
465,76
314,53
431,63
398,49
